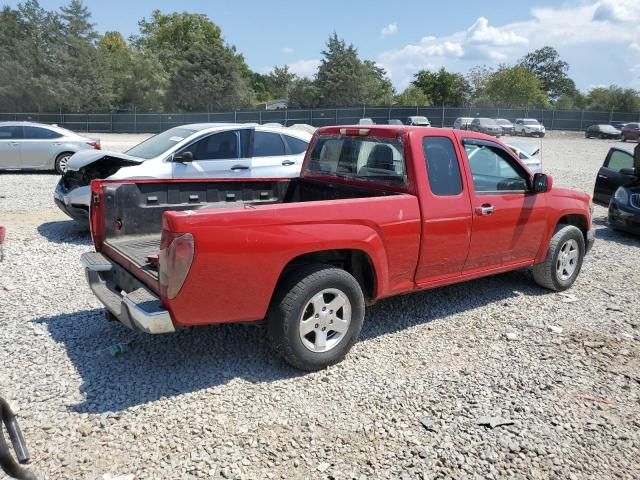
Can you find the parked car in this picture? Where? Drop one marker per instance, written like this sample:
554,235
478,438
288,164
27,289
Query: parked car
533,163
506,125
36,146
618,187
485,125
462,123
418,121
631,131
529,127
366,121
204,150
376,212
395,121
602,131
3,232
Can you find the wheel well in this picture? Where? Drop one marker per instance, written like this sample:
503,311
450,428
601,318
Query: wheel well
579,221
356,262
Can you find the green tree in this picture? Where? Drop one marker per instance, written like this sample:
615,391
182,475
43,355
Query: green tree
280,81
209,79
304,94
411,97
516,87
613,98
87,86
195,60
345,80
545,63
443,87
478,78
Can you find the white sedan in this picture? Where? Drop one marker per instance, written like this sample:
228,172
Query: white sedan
205,150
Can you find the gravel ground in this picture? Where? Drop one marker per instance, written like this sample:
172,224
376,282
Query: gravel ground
214,401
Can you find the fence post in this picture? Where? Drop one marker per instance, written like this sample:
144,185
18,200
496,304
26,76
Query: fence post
111,119
87,122
286,116
311,116
336,116
135,120
260,117
581,118
553,117
442,122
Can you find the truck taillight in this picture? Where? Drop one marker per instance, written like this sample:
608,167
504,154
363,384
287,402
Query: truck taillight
95,145
175,258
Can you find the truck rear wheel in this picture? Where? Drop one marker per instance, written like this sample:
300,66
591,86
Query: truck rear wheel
564,258
316,316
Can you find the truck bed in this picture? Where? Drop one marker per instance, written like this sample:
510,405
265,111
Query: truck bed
138,249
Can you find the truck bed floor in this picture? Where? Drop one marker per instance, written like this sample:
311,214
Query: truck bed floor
137,249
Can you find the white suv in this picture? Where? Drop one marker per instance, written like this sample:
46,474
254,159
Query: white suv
529,127
205,150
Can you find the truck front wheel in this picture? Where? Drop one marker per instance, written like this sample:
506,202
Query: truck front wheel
316,316
564,258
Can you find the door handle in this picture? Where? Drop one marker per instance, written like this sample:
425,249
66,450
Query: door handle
239,167
14,144
602,176
485,209
287,163
57,144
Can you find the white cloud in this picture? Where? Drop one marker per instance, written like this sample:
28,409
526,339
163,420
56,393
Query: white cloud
483,34
305,68
390,29
287,50
576,30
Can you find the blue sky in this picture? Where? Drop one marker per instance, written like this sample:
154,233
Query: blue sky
599,38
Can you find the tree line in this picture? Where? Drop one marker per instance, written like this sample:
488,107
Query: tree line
57,61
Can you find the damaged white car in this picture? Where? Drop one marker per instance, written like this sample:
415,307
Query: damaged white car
207,150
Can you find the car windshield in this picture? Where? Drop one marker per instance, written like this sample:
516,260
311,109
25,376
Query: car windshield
488,122
530,122
420,120
502,121
160,143
608,128
363,158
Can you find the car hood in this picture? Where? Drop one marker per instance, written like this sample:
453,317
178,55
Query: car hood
534,127
87,157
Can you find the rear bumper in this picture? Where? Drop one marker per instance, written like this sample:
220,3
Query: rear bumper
134,305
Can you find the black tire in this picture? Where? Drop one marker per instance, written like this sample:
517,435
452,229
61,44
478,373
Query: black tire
288,307
546,273
586,135
58,163
624,139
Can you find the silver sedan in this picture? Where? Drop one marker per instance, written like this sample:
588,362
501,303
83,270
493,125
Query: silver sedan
36,146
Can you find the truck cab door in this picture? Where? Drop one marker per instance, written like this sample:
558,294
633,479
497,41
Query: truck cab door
509,219
609,177
217,155
446,210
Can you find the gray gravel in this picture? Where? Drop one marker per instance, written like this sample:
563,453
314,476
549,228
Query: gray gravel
562,370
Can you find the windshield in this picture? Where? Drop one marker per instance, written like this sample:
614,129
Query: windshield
608,128
502,121
364,158
420,120
530,122
488,121
160,143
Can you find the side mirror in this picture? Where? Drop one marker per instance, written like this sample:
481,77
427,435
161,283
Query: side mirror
184,157
542,183
631,172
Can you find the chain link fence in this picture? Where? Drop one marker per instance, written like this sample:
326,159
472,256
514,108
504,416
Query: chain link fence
439,117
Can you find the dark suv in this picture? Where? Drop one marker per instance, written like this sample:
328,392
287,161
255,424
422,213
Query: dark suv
486,125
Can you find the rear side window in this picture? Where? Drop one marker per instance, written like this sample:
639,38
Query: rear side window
296,146
619,160
442,166
364,158
268,144
37,133
217,146
10,133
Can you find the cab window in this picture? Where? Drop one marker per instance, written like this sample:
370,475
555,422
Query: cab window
37,133
442,166
10,132
493,170
217,146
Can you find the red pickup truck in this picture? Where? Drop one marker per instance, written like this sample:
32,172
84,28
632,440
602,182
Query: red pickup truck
377,211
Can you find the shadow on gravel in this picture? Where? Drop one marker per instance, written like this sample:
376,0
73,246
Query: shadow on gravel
608,234
406,311
153,367
65,231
